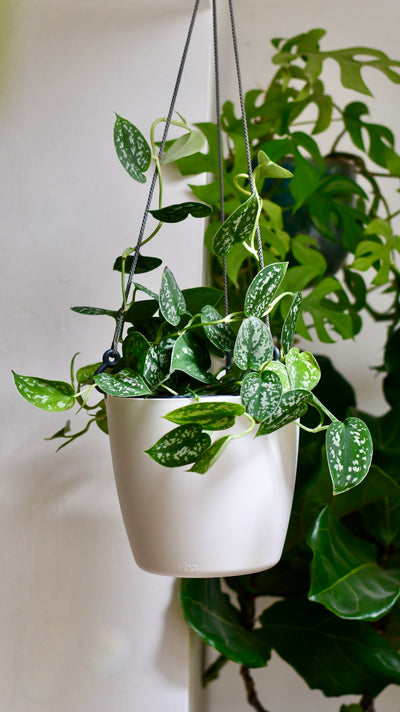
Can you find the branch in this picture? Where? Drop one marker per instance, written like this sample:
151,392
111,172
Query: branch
252,697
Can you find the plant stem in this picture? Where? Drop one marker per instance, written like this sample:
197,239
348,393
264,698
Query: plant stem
367,703
252,696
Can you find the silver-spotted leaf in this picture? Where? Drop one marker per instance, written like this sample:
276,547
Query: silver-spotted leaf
290,323
239,226
254,345
172,301
262,394
212,415
180,446
210,456
349,453
125,384
47,395
292,406
221,335
132,148
280,369
345,576
302,368
263,288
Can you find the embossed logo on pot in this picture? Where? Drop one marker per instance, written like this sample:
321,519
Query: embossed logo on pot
185,568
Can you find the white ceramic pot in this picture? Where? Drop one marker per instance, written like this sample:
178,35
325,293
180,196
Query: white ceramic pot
230,521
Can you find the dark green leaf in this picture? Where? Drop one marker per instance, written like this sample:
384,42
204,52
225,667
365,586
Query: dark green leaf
47,395
198,297
179,212
349,453
211,455
187,356
144,264
132,149
263,288
261,394
180,446
336,656
125,384
95,311
345,577
290,323
254,344
239,226
221,335
134,349
172,301
211,614
293,405
212,415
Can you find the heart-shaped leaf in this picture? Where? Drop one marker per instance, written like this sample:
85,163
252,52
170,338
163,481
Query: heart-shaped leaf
144,264
221,335
269,169
239,226
172,301
191,142
47,395
263,288
132,149
349,453
125,384
187,356
342,570
210,456
156,366
213,415
280,369
179,212
134,349
290,323
292,406
254,345
302,368
180,446
262,394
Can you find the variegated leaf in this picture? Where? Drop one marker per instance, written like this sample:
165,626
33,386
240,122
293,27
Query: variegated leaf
263,288
213,415
280,369
221,335
302,368
125,384
210,456
262,394
290,323
132,149
254,345
349,453
239,226
292,406
180,446
47,395
172,301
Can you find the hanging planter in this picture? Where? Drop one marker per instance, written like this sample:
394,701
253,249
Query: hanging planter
204,456
232,521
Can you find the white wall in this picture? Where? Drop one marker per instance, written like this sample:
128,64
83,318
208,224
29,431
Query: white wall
82,628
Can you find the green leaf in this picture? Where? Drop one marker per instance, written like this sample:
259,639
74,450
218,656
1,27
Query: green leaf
47,395
187,356
254,345
261,395
221,335
239,226
349,453
280,369
125,384
290,323
218,623
134,349
85,373
302,368
270,169
357,659
351,708
345,577
132,149
184,146
95,311
172,301
179,212
180,446
213,415
263,288
210,456
292,406
144,264
198,297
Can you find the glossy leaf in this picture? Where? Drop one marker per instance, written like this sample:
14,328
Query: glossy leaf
45,394
261,394
198,297
221,335
218,623
263,288
172,301
239,226
293,405
358,660
179,212
187,357
180,446
186,145
345,577
210,456
132,149
211,415
302,368
349,453
156,366
290,323
125,384
85,373
144,264
254,345
95,311
270,169
280,369
134,349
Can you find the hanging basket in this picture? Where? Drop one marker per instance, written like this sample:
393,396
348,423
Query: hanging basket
230,521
